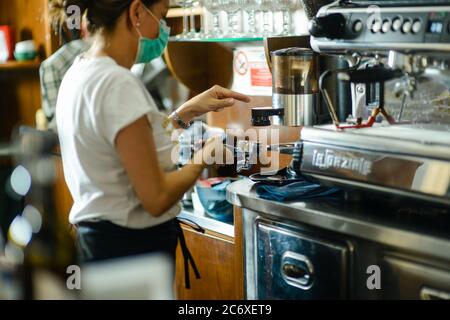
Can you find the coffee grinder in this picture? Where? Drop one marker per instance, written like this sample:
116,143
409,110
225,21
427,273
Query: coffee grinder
295,99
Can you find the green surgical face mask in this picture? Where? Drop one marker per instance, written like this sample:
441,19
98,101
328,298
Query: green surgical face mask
150,49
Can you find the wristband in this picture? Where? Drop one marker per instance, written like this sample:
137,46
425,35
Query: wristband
180,121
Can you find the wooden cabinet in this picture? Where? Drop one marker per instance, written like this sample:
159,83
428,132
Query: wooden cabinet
20,91
20,95
220,262
30,20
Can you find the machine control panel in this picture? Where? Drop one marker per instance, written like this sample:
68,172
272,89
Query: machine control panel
387,28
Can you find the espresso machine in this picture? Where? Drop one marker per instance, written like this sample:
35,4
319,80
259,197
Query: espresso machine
396,141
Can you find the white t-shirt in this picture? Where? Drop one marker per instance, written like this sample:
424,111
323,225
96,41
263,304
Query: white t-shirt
97,99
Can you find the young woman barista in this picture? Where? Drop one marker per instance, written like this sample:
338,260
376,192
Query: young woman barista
116,148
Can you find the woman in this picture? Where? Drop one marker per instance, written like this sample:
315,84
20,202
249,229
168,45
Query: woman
115,146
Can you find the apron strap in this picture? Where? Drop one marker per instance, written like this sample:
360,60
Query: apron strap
187,256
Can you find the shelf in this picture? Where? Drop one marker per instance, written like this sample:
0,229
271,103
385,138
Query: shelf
20,65
218,40
275,38
179,12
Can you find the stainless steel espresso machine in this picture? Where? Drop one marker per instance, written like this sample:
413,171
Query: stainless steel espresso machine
397,139
395,145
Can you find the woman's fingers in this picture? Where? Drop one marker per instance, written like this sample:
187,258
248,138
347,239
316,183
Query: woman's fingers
223,93
219,104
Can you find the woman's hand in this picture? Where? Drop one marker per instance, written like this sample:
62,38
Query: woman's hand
214,153
215,99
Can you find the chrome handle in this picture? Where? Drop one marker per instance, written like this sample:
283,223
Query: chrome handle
297,270
293,271
433,294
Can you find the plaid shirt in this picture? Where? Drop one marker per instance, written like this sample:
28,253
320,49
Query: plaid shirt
52,72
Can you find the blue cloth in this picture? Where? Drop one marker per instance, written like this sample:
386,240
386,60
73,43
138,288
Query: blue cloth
294,191
221,186
214,201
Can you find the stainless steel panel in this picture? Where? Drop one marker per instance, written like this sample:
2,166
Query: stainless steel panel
413,265
395,171
405,140
407,279
366,222
292,265
372,47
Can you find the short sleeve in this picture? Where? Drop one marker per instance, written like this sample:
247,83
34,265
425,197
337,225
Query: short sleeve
124,103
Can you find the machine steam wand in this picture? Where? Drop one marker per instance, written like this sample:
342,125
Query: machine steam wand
413,66
373,77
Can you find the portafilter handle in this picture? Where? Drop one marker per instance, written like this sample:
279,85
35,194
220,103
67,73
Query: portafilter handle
370,75
261,116
247,152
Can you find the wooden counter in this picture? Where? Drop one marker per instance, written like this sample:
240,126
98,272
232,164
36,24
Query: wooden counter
219,259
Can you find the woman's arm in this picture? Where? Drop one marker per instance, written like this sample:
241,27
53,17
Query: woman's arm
158,191
213,100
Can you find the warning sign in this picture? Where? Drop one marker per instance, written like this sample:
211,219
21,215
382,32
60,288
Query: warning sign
241,63
260,75
251,74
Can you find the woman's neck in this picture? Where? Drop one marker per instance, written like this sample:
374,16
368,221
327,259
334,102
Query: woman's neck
113,46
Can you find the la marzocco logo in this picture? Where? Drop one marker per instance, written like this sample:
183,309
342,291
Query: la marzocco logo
329,159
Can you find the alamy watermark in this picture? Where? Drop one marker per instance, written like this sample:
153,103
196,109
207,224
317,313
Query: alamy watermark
374,280
74,17
73,281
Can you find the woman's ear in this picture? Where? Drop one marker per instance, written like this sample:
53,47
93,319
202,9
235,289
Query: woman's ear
134,13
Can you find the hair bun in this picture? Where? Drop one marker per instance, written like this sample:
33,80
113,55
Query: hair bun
57,13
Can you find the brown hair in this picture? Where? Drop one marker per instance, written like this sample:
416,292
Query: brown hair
101,14
57,14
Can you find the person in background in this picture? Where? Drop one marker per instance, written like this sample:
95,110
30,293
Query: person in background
116,146
54,68
167,92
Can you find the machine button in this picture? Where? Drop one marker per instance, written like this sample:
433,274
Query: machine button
396,24
358,26
417,26
376,26
386,26
407,25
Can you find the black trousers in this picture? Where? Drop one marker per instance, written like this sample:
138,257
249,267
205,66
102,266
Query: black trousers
103,240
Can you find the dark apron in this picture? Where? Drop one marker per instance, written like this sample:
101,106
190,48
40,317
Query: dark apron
103,240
